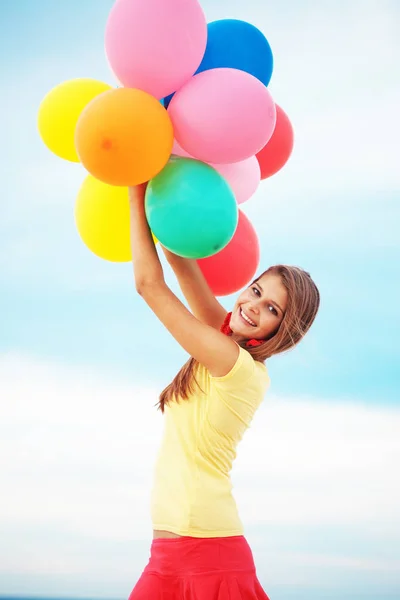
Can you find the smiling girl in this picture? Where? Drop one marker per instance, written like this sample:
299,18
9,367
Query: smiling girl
199,551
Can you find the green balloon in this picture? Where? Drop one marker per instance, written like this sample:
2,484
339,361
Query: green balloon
191,208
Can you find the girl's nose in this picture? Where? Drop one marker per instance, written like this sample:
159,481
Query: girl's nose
254,307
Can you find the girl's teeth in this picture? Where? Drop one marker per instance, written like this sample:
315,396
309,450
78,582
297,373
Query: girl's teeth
246,318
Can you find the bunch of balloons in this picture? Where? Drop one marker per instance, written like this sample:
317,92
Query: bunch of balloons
193,116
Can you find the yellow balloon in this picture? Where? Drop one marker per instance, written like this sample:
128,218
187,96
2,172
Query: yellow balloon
59,113
102,219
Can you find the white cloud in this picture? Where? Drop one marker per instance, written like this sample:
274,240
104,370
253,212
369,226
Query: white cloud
76,458
322,463
77,441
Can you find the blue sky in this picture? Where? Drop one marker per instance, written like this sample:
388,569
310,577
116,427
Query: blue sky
82,359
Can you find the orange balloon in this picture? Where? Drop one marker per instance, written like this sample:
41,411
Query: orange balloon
124,137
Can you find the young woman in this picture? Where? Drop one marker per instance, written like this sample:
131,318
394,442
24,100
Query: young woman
199,551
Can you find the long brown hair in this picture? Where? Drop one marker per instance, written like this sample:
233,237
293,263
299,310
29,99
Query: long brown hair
302,307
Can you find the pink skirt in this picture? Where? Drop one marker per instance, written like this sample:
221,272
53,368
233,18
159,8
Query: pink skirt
199,569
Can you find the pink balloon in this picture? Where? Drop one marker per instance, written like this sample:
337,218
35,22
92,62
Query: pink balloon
155,45
233,267
179,151
223,115
244,177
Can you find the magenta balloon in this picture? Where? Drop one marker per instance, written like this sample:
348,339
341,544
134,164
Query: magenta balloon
234,267
223,116
155,45
244,177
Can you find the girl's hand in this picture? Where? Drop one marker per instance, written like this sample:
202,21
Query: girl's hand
137,192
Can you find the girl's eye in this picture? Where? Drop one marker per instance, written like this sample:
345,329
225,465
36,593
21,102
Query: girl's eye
257,292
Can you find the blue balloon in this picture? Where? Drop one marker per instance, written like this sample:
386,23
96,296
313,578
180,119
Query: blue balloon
238,45
167,100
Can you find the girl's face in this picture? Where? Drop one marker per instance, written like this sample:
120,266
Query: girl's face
259,310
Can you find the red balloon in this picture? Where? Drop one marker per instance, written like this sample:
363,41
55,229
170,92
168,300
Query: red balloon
233,267
277,151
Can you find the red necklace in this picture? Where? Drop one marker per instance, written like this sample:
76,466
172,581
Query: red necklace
225,328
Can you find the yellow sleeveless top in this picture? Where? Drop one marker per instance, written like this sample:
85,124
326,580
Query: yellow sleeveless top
192,491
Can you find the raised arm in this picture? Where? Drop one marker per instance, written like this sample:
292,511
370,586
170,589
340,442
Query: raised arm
216,351
196,290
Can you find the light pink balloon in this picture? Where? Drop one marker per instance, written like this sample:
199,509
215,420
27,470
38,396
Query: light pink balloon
179,151
244,177
223,115
155,45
